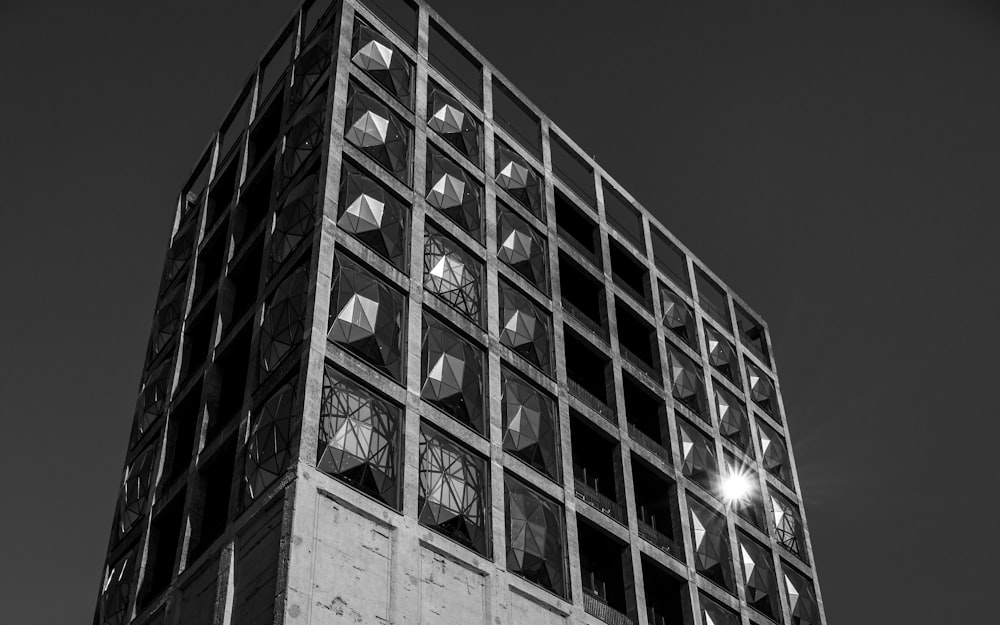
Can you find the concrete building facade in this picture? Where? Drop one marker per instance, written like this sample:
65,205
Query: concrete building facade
416,358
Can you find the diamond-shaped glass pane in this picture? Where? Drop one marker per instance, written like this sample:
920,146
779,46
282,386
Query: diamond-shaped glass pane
762,390
802,604
758,576
284,319
687,384
722,354
455,193
529,424
453,274
454,123
367,316
272,441
734,424
378,132
451,374
774,453
519,179
360,439
534,536
698,460
383,61
454,491
373,215
712,555
525,327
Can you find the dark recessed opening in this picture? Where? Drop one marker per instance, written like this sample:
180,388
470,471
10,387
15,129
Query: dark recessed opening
215,481
583,294
601,562
277,62
576,228
399,15
629,274
573,170
164,534
514,117
666,595
197,341
210,261
181,428
231,376
637,340
646,413
586,368
222,193
712,299
625,218
658,509
593,457
670,259
265,132
254,201
449,58
243,280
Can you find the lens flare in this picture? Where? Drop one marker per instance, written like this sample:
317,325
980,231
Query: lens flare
735,486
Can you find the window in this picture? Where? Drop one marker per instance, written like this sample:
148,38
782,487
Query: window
457,65
451,374
573,170
625,218
515,118
530,424
535,536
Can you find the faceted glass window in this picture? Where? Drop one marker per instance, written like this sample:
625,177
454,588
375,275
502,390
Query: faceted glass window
534,536
722,355
304,135
752,334
375,216
678,316
116,590
713,613
775,453
762,390
137,483
152,402
515,176
360,438
311,68
698,460
455,193
712,556
451,374
284,319
454,490
166,322
802,604
521,247
758,576
453,274
525,327
787,524
530,431
751,505
381,60
378,132
454,123
367,317
733,422
686,383
272,441
181,251
293,221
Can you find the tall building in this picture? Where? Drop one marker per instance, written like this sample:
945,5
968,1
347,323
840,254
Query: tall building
416,358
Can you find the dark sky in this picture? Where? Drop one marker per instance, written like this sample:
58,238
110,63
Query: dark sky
837,163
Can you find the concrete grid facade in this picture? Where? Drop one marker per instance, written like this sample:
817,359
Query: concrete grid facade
418,359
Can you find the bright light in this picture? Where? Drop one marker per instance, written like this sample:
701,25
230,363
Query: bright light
735,486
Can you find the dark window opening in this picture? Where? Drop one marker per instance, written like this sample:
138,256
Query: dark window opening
197,341
215,485
231,376
399,15
222,193
670,260
658,509
194,190
315,12
666,596
587,369
593,461
602,562
461,70
181,428
266,130
753,335
629,274
514,117
242,282
277,62
164,536
210,261
647,417
713,299
576,228
255,199
235,124
582,296
573,170
625,218
637,341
